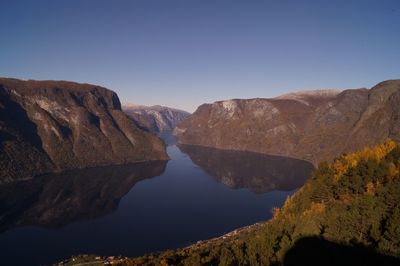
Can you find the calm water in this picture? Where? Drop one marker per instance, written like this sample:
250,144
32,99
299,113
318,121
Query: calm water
130,210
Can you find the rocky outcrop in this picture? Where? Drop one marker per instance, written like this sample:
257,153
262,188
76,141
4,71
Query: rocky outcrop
256,172
155,118
313,126
48,126
56,200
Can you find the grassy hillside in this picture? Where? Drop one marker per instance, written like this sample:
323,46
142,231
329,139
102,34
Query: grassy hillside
348,213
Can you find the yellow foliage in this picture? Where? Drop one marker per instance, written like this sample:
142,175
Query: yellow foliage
276,212
288,217
164,262
370,188
288,202
339,169
315,208
393,171
345,198
378,152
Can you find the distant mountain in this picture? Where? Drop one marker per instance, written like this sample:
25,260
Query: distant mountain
305,96
48,126
155,118
313,126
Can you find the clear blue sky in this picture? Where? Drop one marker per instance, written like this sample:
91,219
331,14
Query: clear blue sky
184,53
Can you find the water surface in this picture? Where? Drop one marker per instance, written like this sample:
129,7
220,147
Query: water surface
130,210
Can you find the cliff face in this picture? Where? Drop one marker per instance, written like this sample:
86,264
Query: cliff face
313,126
49,126
155,118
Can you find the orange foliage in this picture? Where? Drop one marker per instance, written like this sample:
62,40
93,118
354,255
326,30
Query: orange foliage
339,169
393,171
315,208
164,262
276,212
288,202
370,188
345,198
342,165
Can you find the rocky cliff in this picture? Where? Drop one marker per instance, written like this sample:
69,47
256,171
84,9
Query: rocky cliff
48,126
313,126
155,118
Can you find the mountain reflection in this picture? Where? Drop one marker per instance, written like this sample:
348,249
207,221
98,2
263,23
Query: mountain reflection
55,200
257,172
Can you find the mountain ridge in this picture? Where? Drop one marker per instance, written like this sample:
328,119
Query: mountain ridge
314,129
155,118
61,125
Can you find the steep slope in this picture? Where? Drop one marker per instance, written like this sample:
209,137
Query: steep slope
49,126
348,213
313,126
155,118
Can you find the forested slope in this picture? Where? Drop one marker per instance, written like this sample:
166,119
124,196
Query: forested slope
348,213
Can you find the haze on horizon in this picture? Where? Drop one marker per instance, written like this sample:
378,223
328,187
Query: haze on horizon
184,53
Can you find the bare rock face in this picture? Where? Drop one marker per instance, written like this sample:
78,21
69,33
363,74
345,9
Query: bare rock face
309,126
155,118
48,126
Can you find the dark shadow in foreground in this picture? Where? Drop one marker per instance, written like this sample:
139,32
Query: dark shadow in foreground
312,251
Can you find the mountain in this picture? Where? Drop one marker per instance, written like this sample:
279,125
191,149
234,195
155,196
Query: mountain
257,172
56,200
347,213
313,126
48,126
155,118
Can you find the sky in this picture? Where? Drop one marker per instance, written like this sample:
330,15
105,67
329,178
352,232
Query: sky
185,53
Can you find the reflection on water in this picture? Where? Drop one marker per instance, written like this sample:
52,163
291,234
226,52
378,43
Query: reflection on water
58,199
107,211
257,172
